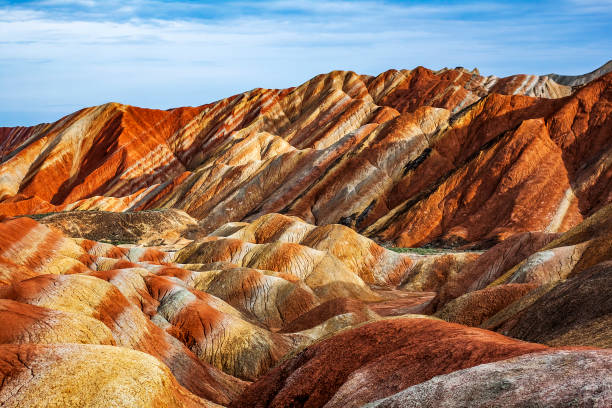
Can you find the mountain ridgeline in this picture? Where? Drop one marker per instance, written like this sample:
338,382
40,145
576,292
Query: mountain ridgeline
415,239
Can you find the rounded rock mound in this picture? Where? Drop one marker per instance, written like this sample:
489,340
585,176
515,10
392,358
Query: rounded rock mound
79,375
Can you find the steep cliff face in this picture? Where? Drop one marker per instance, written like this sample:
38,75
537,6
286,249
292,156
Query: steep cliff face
467,153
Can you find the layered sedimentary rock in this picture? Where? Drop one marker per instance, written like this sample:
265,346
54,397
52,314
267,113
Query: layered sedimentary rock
492,264
216,332
520,151
411,156
577,80
575,312
435,272
93,297
548,288
79,375
357,310
529,380
325,274
373,263
219,302
272,298
170,258
191,317
54,304
146,227
25,323
375,366
40,249
474,308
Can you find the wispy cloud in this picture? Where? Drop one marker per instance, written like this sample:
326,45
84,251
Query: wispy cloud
59,55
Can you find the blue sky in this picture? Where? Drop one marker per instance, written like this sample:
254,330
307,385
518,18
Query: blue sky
57,56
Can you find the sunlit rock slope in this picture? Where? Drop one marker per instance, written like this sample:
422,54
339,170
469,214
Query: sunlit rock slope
409,156
418,238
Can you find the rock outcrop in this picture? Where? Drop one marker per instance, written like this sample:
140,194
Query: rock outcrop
325,274
410,157
575,312
83,375
579,80
142,227
529,380
375,366
245,252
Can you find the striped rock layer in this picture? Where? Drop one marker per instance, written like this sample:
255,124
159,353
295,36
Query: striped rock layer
208,320
277,301
410,156
548,288
230,254
79,375
391,355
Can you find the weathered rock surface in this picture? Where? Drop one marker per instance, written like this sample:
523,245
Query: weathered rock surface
367,152
325,274
142,301
39,249
376,363
24,323
126,228
491,265
435,272
473,308
336,307
169,256
556,295
216,332
575,312
93,297
79,375
578,80
373,263
531,380
272,298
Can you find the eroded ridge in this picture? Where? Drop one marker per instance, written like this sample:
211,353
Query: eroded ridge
418,238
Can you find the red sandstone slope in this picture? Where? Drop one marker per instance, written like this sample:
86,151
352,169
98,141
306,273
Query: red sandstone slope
529,380
226,284
377,364
550,288
189,328
467,153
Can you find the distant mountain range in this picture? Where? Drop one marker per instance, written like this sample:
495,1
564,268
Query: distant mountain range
477,158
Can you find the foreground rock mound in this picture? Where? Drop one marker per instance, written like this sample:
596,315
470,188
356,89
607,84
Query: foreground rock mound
376,364
93,297
530,380
78,375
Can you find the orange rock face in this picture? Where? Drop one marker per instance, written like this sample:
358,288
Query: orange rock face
244,253
375,367
78,375
410,157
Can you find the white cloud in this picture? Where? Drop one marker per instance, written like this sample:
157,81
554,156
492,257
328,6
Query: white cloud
592,6
57,63
86,3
